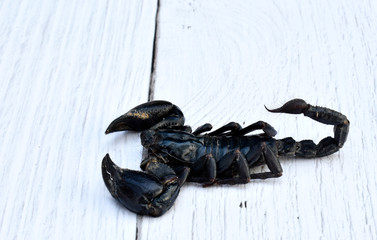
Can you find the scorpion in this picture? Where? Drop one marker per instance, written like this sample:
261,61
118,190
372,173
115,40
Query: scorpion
176,155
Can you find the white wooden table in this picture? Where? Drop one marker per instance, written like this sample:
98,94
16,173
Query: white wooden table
68,68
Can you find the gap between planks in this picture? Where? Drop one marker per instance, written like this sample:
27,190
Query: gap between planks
154,54
152,81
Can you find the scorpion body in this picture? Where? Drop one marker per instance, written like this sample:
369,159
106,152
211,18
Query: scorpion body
176,155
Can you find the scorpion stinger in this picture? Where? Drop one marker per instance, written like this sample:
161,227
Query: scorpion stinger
224,156
307,148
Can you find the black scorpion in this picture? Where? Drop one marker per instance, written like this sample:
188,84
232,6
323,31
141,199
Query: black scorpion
225,156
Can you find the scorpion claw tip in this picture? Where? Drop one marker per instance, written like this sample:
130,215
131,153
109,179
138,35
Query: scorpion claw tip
122,123
110,172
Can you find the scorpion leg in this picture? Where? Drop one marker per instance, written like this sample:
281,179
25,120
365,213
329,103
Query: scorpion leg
232,126
242,169
307,148
183,172
243,165
204,128
254,155
236,129
272,162
151,162
205,170
150,115
260,125
148,193
211,170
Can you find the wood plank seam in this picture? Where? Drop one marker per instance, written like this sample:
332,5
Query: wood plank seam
151,87
154,54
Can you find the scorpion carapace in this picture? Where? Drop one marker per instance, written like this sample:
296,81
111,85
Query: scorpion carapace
225,156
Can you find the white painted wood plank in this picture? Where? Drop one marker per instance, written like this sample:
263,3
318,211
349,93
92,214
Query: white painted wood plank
67,69
220,61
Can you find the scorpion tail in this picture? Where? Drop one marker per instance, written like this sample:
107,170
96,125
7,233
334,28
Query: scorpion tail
154,114
148,193
307,148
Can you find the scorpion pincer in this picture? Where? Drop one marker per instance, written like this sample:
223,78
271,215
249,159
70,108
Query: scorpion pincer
176,155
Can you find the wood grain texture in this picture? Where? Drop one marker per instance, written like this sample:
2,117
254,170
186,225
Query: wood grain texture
68,68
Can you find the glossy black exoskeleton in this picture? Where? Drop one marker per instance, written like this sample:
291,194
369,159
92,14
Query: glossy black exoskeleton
224,156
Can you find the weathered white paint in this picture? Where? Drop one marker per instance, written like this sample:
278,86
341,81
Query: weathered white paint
68,69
